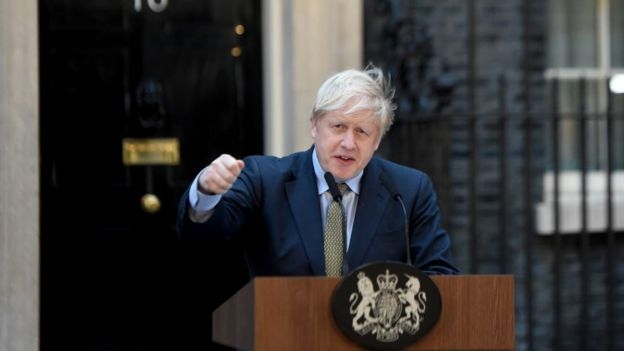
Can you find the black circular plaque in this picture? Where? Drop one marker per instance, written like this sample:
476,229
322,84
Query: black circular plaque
386,305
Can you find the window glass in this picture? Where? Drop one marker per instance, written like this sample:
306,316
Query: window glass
617,101
572,33
571,95
616,13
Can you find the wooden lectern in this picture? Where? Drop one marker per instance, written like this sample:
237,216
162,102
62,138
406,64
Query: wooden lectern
295,314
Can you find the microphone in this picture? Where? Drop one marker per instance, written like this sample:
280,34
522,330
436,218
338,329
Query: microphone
337,195
333,187
385,180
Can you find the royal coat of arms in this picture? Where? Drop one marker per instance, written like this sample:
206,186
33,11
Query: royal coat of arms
388,311
386,305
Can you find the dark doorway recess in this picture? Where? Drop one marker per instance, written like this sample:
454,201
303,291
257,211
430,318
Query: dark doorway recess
114,276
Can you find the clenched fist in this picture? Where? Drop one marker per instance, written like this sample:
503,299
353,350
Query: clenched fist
219,176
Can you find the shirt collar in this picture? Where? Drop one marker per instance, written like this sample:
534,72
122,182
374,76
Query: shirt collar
353,183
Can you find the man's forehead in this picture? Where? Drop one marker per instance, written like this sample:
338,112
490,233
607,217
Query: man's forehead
362,118
363,115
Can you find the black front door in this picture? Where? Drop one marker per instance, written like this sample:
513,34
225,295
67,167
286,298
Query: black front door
114,274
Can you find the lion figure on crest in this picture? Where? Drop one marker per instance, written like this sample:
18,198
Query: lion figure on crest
366,304
415,300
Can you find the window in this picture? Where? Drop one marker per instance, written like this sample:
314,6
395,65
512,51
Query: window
585,51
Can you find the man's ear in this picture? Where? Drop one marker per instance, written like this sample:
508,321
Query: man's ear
381,135
378,142
313,130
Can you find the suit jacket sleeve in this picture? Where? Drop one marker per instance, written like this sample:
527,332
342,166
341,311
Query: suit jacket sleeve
430,244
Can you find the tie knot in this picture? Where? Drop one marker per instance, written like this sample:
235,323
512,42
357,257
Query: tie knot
343,188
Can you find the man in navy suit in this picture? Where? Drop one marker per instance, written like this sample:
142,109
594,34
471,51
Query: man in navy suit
278,206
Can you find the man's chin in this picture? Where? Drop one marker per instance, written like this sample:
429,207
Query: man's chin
343,175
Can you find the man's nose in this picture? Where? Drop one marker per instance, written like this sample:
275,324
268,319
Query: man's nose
348,140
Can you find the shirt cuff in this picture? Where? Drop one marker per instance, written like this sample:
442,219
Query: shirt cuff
199,201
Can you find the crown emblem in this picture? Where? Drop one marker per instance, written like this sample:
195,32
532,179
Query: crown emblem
387,281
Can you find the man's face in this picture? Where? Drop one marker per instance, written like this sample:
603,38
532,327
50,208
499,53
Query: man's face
345,142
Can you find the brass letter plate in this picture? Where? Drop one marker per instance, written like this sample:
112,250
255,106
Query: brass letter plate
151,152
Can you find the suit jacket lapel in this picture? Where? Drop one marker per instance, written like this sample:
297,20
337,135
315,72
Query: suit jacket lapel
305,208
372,202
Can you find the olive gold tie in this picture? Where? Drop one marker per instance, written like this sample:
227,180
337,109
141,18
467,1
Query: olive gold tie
333,237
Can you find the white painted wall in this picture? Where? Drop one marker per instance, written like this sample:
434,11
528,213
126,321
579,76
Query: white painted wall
19,176
304,43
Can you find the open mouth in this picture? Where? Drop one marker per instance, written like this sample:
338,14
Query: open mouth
344,159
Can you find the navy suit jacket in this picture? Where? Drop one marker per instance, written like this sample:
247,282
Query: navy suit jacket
274,208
